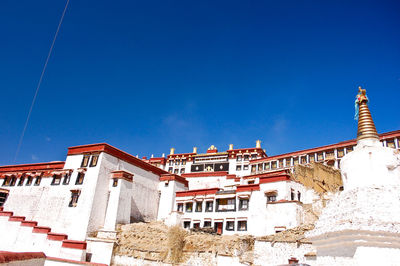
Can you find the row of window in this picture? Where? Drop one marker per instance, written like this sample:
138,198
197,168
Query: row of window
304,159
176,171
240,167
92,158
177,162
11,181
246,157
229,225
221,205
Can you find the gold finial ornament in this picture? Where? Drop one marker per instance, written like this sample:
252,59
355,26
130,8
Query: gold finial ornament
366,127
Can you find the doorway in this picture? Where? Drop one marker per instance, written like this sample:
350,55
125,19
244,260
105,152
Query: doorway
218,227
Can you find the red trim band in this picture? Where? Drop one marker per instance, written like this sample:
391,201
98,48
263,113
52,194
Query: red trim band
74,244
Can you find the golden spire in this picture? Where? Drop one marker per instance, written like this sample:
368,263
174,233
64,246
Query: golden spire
366,127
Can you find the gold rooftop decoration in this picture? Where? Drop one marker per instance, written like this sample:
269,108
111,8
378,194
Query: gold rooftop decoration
366,127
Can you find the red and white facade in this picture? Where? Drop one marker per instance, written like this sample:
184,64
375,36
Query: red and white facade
72,207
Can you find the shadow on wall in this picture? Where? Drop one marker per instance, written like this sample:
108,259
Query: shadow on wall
136,216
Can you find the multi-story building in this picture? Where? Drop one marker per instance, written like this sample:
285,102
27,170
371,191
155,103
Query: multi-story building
70,209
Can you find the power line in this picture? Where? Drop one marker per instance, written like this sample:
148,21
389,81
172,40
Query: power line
40,82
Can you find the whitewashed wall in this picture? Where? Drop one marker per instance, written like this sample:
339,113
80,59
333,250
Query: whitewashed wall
268,253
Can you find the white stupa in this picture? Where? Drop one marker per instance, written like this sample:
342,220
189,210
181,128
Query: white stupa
361,226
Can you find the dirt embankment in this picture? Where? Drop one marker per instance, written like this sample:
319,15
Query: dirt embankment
155,241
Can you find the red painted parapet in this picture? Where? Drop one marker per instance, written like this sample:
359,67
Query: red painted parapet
74,244
41,229
6,256
16,218
6,213
29,223
58,237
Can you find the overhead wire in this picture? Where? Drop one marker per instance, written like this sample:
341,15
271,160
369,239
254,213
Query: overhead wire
40,81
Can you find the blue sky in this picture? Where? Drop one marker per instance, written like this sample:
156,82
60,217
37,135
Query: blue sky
145,76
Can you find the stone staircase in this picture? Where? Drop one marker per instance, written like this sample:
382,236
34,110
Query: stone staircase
20,235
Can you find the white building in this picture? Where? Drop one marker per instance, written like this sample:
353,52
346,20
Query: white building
69,210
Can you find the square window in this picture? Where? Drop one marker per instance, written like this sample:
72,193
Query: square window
79,178
56,180
67,178
239,158
245,167
246,157
207,224
170,170
189,207
37,181
242,226
29,181
182,170
254,156
13,181
243,204
115,182
180,207
94,160
390,144
273,165
230,226
21,181
6,181
271,198
209,206
3,198
311,158
176,171
199,206
74,198
85,160
186,224
196,225
238,167
253,168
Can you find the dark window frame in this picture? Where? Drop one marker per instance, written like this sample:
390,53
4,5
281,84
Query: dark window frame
239,227
179,207
85,162
6,181
38,180
271,198
13,181
115,182
94,160
29,181
207,207
199,206
241,208
186,224
208,225
74,198
3,198
80,178
187,204
56,180
232,223
66,179
21,181
218,204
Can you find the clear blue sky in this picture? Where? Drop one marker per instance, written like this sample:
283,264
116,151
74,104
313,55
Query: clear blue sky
145,76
